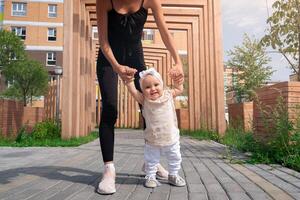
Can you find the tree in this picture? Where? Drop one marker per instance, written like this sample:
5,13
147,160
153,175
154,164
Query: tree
250,61
11,48
284,32
28,77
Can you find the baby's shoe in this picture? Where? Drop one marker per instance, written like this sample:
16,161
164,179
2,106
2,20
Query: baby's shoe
161,173
107,184
176,180
151,182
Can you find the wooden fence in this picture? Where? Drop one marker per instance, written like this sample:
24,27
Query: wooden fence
50,100
128,109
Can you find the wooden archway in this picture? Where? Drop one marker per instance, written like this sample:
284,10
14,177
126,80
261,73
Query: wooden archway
201,21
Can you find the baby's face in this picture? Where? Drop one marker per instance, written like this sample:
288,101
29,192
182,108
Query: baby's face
151,87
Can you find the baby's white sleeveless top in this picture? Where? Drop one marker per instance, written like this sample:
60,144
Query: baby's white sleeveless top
161,121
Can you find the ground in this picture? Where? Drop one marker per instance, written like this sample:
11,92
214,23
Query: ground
73,173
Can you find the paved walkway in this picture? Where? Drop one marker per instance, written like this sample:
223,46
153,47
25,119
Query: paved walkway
73,173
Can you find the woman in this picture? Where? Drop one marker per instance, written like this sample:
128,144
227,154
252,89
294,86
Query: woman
120,27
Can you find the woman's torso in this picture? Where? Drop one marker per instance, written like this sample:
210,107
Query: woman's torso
124,36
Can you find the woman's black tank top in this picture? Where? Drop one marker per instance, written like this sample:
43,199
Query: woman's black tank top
124,35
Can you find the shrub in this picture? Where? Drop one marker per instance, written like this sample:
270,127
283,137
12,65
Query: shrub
46,130
22,135
282,148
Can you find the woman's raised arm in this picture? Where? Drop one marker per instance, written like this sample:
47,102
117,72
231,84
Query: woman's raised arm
156,8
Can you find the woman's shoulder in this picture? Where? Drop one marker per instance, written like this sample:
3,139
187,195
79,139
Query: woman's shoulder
152,4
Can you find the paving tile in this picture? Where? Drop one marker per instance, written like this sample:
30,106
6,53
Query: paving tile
74,173
271,189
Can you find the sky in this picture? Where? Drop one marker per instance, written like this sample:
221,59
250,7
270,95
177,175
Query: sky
249,16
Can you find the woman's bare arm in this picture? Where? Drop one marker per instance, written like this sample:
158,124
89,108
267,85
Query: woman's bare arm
156,8
102,7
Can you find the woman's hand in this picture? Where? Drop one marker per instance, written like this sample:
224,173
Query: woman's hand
126,73
176,74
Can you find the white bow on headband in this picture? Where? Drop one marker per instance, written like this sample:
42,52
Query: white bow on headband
150,71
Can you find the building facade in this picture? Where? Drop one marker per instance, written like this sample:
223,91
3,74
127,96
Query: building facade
230,77
152,36
39,23
1,13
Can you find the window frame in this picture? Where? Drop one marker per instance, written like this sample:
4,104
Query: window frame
53,59
22,28
95,35
52,38
148,34
19,12
52,12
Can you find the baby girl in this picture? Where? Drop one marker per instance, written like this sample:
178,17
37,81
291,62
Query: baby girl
161,133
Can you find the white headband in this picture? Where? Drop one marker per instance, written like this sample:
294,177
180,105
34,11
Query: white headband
150,71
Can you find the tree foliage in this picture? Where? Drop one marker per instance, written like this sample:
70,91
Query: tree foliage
29,78
11,47
284,32
250,62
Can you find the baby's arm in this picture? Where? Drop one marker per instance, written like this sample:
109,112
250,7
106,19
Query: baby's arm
178,89
134,92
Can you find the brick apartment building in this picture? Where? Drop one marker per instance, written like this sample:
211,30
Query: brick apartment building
1,13
179,38
39,23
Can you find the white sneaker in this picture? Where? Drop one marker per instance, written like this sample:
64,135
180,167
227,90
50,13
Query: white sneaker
151,182
161,174
107,184
176,180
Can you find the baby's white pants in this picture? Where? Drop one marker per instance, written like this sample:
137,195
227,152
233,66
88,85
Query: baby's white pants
152,156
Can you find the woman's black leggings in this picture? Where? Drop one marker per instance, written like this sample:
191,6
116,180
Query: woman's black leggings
108,81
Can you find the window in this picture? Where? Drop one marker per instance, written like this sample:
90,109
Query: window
51,34
51,58
95,33
148,34
52,10
19,31
19,9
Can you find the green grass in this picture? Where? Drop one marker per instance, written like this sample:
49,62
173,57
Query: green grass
28,141
267,153
245,142
239,140
201,134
